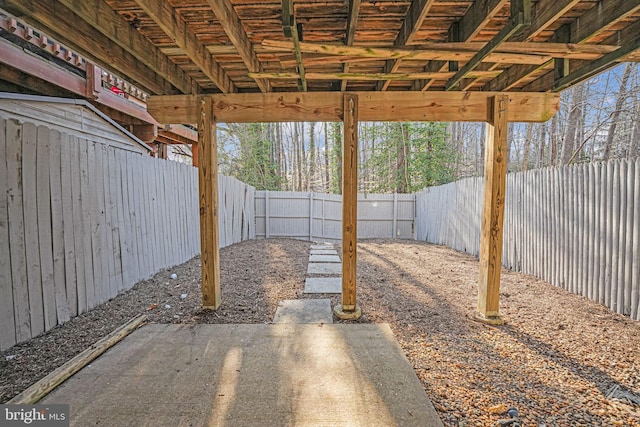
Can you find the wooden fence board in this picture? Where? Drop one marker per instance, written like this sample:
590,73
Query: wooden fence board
68,226
16,230
81,299
32,244
7,319
57,226
635,259
43,188
115,199
85,223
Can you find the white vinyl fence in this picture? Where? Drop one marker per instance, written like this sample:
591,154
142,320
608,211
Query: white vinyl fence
318,216
82,221
577,227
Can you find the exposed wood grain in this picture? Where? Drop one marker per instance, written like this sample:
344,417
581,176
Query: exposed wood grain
352,23
493,209
412,22
208,189
228,18
373,77
407,54
349,202
520,17
8,331
59,21
175,27
108,22
372,106
32,243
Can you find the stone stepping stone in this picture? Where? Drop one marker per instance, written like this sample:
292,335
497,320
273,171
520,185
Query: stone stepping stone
331,268
323,252
323,285
325,246
304,311
324,258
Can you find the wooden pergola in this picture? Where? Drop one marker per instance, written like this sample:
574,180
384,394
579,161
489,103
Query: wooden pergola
210,61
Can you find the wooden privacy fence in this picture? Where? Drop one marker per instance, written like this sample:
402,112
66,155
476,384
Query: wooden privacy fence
318,216
82,221
577,227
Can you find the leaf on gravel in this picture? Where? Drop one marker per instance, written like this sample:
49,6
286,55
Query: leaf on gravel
498,409
152,307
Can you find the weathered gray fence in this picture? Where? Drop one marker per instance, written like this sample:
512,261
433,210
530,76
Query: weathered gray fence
318,216
81,221
577,227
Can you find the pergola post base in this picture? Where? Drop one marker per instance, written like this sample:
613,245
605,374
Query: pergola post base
496,320
347,315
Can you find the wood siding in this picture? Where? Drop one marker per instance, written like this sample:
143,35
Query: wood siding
577,227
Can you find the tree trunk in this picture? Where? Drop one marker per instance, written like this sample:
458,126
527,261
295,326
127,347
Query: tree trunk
327,152
402,184
569,144
622,97
527,147
312,156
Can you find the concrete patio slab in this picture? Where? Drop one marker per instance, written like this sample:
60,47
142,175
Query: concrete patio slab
250,375
324,258
304,311
323,285
324,268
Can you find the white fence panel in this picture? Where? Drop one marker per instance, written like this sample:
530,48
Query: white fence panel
81,221
318,216
578,227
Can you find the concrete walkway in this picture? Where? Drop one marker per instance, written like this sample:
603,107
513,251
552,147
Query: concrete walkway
250,375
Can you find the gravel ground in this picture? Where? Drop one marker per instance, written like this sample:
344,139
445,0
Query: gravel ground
555,360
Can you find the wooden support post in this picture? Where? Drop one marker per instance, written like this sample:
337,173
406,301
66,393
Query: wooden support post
208,187
495,177
348,309
194,154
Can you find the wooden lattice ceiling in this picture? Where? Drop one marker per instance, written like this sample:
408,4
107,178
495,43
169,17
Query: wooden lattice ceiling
211,46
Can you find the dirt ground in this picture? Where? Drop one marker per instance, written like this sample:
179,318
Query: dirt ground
555,360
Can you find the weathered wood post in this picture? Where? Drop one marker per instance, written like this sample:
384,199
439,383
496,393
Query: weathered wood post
495,176
208,189
348,309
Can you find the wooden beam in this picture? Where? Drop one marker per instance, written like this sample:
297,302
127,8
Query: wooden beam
591,69
372,106
520,17
581,30
495,176
60,22
417,12
421,55
544,14
108,22
349,308
373,76
352,23
228,18
176,28
290,28
599,18
550,50
208,189
474,20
